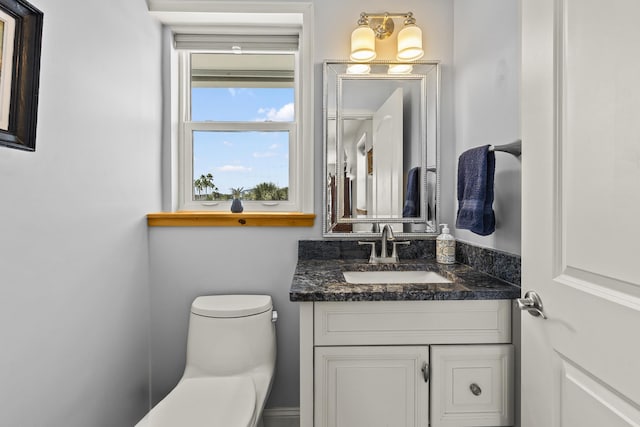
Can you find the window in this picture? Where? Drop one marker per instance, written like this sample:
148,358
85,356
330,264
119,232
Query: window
220,48
240,132
241,121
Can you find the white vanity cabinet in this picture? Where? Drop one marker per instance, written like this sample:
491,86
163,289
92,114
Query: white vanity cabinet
406,363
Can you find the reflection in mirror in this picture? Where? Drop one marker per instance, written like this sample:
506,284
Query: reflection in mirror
381,150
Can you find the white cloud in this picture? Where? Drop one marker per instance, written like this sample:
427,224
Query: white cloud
264,154
227,143
240,92
233,168
284,114
258,155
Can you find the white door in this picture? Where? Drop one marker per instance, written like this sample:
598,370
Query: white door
388,198
375,386
581,213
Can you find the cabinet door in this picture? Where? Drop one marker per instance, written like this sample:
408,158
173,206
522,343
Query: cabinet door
472,385
371,387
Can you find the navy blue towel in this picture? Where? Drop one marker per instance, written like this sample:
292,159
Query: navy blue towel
412,196
476,168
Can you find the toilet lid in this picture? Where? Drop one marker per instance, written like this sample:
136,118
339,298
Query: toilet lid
207,402
231,305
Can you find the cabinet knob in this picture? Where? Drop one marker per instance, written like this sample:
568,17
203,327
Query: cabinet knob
475,389
425,372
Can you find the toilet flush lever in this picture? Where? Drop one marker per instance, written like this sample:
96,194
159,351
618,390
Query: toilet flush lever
274,316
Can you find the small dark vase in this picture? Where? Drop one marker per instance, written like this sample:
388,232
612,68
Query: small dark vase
236,206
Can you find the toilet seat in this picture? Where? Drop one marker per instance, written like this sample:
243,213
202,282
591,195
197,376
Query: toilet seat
206,402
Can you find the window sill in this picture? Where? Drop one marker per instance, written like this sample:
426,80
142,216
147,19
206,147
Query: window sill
228,219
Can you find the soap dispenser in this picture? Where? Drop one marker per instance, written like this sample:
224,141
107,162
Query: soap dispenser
445,247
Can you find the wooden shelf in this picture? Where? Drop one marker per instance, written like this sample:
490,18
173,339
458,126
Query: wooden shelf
228,219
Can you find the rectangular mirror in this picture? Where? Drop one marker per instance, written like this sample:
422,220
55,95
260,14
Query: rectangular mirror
381,144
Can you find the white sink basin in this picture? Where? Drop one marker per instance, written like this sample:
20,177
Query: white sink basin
376,277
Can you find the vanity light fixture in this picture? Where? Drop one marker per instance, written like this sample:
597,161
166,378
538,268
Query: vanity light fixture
400,69
363,41
381,26
410,41
359,68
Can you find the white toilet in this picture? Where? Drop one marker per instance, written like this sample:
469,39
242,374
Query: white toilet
231,355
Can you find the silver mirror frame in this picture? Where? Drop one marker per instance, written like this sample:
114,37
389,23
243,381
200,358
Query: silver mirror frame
335,79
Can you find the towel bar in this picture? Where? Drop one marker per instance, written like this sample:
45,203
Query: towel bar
514,148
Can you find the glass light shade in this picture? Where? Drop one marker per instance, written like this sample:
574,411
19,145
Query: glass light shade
358,69
400,69
363,44
410,43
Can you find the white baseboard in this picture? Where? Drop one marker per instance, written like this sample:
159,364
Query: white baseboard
281,417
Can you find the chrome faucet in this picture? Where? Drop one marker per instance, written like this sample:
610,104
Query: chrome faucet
387,235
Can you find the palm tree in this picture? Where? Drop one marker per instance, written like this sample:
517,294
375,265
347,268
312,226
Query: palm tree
283,193
206,182
269,191
198,185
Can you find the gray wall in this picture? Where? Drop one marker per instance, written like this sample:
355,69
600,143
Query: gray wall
74,253
487,105
189,262
74,307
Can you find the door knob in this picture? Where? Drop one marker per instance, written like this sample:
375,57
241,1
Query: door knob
531,303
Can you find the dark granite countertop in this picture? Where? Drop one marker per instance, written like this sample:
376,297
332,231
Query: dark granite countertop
322,280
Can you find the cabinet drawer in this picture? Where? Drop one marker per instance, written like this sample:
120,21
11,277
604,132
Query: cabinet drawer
412,322
472,385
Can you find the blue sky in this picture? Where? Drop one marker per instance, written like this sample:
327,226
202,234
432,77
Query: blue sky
242,159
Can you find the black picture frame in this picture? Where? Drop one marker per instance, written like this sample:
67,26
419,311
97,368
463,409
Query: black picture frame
25,82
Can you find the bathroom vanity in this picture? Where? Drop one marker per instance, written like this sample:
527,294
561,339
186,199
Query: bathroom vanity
436,353
403,344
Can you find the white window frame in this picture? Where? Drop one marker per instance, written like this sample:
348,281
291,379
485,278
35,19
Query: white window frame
235,16
186,148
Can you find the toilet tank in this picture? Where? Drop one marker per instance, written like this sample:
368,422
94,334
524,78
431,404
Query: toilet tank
230,335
